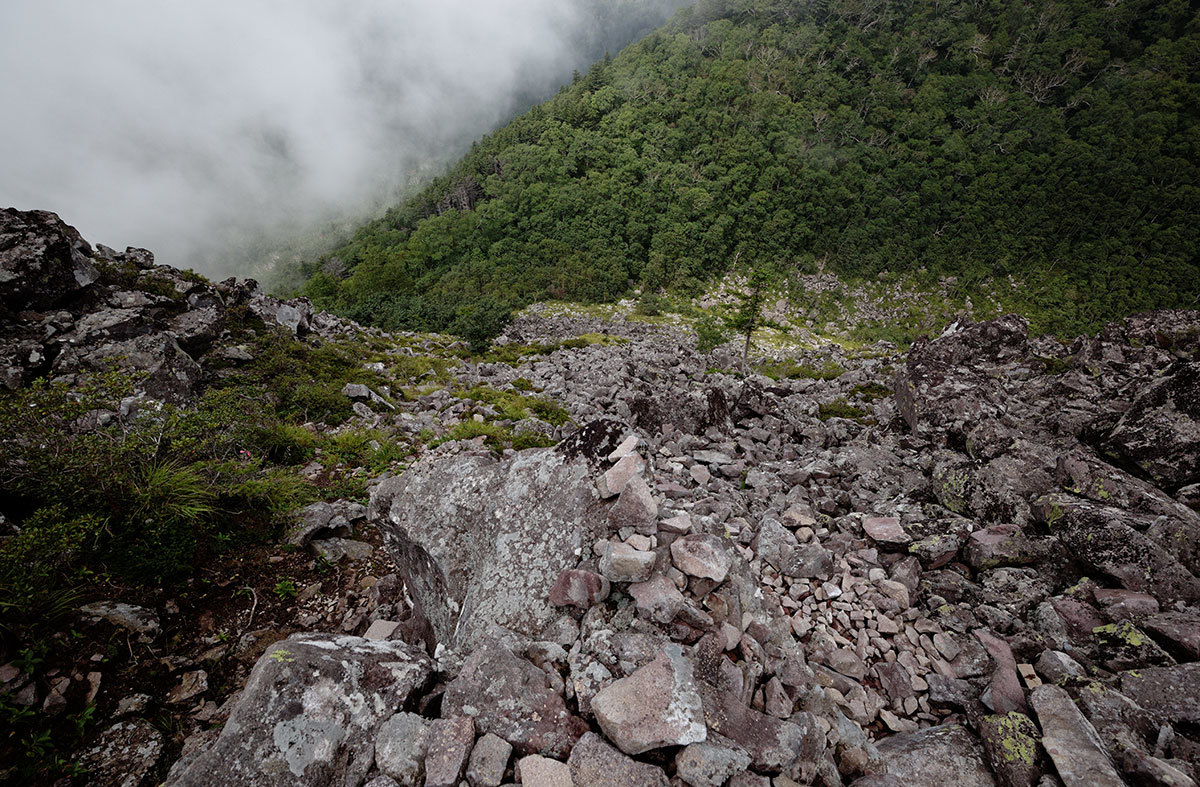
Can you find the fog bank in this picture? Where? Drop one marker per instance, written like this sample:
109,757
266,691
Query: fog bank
199,130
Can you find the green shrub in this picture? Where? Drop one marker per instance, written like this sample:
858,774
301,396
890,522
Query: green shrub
649,304
872,391
791,369
531,439
710,333
840,408
284,443
548,411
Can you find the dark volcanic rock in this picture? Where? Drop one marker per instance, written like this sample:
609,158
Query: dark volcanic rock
1160,433
1101,538
944,386
43,261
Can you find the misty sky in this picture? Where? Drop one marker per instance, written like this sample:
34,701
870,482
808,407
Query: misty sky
191,128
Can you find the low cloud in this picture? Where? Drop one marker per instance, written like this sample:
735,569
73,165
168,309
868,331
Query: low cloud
198,129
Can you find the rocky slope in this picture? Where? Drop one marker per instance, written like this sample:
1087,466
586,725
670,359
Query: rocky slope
976,561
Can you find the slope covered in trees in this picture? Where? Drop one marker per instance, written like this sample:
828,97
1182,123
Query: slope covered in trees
1056,142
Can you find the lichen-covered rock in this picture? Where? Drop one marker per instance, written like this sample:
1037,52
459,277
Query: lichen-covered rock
1100,538
489,761
1160,433
170,374
701,555
123,755
1172,691
710,764
1011,743
139,620
310,712
449,745
771,743
490,536
400,747
939,392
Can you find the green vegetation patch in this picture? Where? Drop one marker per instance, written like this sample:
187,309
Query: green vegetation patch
840,408
792,369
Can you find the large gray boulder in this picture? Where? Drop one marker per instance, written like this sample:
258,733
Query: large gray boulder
937,756
310,713
167,372
487,537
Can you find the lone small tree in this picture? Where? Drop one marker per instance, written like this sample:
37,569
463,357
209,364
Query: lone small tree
482,322
748,316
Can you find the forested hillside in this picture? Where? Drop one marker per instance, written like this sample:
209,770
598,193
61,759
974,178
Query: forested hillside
1056,142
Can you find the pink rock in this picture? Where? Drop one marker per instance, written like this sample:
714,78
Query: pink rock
627,447
450,743
617,476
657,598
1005,689
1123,604
636,508
579,588
701,555
886,530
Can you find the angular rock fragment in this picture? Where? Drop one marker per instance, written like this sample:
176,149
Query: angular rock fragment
622,563
635,508
507,696
1160,432
490,536
772,744
658,705
400,747
448,745
703,556
948,754
710,764
594,763
123,755
578,588
657,598
489,761
1011,743
1171,691
1071,741
614,480
886,531
536,771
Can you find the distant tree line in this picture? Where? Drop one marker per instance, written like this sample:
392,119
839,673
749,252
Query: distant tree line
1056,142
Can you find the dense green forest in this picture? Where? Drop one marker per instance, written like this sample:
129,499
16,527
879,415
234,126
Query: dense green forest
1056,142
